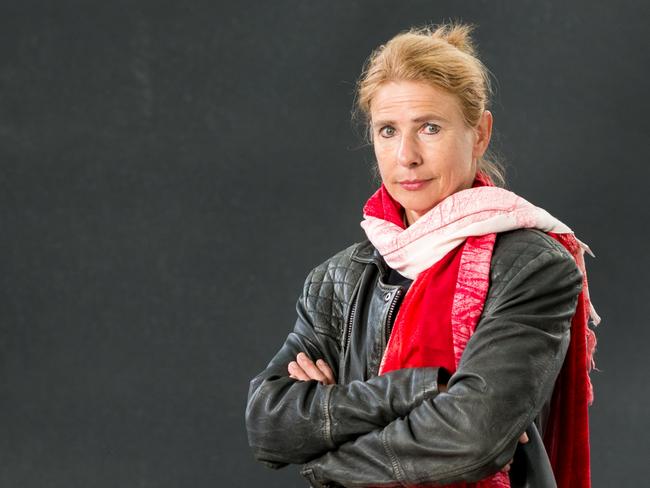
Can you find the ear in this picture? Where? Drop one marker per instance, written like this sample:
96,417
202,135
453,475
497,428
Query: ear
483,134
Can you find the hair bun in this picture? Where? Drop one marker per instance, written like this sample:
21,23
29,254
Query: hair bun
458,35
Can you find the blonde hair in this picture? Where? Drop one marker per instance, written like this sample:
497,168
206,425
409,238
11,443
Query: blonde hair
443,55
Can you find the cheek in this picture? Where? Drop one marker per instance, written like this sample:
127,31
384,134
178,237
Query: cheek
458,157
384,161
466,147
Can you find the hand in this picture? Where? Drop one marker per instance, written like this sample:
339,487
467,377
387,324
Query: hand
523,439
304,369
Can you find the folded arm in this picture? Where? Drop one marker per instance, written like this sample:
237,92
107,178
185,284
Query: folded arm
292,421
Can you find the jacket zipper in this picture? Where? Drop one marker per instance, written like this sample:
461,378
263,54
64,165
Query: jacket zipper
389,316
353,309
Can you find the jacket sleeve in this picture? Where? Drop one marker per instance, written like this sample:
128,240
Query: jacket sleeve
506,373
290,421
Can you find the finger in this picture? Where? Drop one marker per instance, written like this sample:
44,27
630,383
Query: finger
327,371
296,372
309,367
523,438
506,468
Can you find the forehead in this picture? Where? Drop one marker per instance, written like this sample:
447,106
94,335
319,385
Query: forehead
405,100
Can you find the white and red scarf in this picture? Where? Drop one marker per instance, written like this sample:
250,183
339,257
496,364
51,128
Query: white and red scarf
447,252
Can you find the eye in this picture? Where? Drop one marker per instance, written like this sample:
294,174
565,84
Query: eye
387,131
430,128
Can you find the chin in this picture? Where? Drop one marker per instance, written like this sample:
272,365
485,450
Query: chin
418,206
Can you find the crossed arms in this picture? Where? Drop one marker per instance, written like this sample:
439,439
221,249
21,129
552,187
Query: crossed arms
401,428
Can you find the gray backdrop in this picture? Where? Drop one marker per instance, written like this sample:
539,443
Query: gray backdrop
170,172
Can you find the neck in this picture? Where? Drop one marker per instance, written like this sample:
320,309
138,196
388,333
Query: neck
409,217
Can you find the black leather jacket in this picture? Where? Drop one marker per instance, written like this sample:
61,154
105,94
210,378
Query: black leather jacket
397,429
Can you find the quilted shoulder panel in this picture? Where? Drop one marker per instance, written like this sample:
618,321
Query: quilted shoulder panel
329,288
515,249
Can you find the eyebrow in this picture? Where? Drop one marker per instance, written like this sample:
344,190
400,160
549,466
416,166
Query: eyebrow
422,118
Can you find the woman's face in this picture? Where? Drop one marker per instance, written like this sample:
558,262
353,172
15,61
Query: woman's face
424,149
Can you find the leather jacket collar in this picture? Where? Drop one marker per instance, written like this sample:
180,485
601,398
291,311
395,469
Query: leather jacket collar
366,253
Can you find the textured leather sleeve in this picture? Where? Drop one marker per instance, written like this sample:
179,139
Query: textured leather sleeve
507,371
290,421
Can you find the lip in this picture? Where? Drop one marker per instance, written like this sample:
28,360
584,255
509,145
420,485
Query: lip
413,185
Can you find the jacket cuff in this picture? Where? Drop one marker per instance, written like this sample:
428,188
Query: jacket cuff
360,407
430,378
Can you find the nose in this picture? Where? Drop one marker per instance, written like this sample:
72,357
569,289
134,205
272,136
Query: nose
407,152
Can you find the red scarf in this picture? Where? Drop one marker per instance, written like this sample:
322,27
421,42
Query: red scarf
456,287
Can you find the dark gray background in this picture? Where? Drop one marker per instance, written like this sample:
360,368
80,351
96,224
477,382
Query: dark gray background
170,171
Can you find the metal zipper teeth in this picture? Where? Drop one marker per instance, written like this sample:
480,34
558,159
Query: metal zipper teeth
353,309
391,311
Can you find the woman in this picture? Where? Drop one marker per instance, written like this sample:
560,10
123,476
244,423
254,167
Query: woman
452,346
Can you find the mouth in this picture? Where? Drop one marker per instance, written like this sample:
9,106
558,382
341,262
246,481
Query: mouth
413,185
